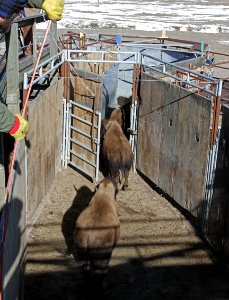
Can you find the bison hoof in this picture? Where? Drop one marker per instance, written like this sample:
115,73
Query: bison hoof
125,186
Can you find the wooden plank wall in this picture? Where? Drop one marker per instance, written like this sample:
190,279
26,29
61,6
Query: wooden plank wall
173,141
218,225
40,164
45,138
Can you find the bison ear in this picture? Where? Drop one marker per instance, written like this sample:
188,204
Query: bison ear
104,122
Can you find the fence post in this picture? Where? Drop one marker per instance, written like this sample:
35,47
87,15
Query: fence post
12,70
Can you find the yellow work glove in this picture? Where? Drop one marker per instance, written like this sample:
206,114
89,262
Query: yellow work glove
53,9
20,128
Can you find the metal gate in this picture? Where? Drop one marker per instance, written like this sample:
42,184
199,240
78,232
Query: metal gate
81,138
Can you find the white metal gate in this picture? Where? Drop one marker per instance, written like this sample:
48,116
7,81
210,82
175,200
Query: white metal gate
81,138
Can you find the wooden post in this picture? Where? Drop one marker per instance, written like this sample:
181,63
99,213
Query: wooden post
135,83
13,94
65,72
216,113
12,70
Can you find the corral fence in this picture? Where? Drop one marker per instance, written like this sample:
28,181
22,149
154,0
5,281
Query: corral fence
178,133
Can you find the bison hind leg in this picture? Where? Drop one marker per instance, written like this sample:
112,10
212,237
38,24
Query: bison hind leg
126,175
98,274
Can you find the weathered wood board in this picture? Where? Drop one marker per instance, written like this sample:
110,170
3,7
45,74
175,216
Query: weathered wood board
44,140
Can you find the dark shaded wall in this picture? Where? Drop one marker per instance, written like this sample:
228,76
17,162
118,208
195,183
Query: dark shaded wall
218,225
173,141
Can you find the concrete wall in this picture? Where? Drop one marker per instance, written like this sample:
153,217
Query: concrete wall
173,141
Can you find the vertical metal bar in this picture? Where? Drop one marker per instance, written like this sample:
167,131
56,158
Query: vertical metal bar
34,41
131,121
135,137
69,130
93,121
135,83
209,182
65,72
216,113
98,148
64,133
24,95
26,180
188,77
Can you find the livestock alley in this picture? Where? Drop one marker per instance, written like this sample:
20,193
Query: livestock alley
173,241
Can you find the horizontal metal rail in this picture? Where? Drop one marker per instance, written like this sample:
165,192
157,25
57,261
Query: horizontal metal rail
81,132
55,62
184,81
83,121
162,47
82,158
178,67
138,57
82,145
83,107
29,20
68,54
81,169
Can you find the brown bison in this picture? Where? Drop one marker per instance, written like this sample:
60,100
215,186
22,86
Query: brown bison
116,153
97,231
119,116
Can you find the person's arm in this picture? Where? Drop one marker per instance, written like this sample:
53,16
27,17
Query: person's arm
10,7
15,125
7,118
53,8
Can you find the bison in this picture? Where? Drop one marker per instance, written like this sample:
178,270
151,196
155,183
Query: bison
97,231
119,116
116,153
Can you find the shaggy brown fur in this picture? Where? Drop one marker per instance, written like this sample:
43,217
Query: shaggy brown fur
116,152
97,229
119,116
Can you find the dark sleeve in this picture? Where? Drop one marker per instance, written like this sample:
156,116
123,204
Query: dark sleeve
35,3
7,118
9,7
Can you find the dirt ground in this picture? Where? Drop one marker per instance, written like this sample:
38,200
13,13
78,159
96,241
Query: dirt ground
159,255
